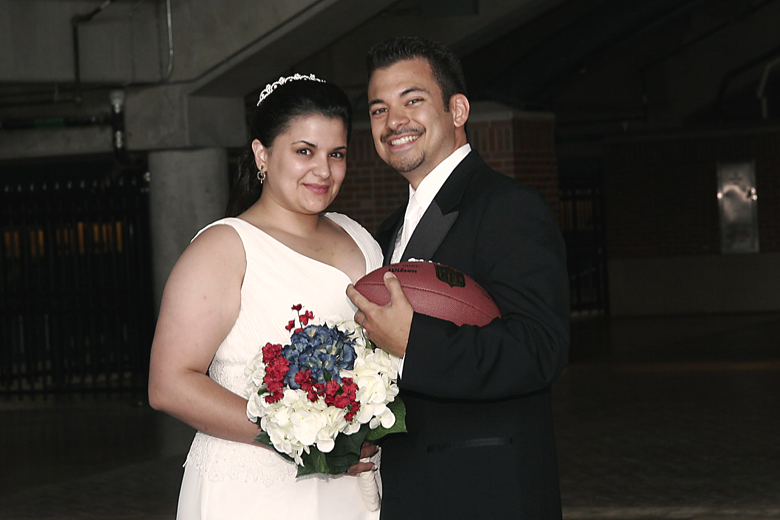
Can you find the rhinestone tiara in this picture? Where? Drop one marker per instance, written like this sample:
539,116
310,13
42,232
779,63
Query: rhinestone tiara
282,80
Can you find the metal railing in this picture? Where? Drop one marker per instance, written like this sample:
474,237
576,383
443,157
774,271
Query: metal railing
76,305
582,225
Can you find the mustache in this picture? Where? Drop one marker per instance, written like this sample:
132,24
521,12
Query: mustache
401,131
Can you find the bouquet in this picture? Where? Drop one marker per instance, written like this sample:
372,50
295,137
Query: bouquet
319,397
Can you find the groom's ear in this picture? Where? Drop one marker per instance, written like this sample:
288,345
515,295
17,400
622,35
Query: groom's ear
460,109
261,153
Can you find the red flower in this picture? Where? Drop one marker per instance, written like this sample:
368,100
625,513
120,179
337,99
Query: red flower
303,376
352,411
304,379
290,325
305,317
273,385
297,307
271,351
331,387
350,387
341,401
276,396
278,367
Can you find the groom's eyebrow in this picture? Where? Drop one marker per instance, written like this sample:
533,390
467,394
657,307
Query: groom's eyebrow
402,94
413,89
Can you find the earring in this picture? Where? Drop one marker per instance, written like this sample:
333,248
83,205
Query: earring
261,175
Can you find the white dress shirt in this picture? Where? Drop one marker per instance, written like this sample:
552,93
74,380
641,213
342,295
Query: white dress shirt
421,198
419,201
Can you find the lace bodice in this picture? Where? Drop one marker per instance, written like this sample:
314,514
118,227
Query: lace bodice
276,278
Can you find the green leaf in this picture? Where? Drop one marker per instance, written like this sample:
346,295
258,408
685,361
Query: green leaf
399,410
319,461
346,451
308,469
264,438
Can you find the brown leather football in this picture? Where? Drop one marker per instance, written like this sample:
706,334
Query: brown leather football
435,290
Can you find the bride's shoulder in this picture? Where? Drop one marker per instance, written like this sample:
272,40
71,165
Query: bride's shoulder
361,236
225,226
221,236
350,225
215,255
344,221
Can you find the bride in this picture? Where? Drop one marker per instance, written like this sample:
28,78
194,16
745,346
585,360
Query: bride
232,291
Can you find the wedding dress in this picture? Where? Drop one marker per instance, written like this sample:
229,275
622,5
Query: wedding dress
234,481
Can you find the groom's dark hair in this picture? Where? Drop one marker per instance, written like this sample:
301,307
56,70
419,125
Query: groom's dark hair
445,65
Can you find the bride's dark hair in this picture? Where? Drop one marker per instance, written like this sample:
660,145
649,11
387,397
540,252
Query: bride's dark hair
288,102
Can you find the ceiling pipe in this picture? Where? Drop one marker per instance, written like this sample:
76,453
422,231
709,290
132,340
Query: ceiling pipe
75,22
730,75
170,41
55,122
760,92
115,119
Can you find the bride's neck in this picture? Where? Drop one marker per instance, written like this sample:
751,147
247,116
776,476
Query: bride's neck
269,217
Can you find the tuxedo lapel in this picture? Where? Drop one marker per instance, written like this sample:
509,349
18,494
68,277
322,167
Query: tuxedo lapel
442,213
388,231
429,233
438,218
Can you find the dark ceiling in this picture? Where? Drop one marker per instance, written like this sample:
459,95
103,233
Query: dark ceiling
539,64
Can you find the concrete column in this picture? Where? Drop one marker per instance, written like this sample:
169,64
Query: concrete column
188,190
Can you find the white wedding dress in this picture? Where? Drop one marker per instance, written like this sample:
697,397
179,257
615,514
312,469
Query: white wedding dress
234,481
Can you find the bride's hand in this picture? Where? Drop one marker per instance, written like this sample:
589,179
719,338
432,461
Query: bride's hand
367,450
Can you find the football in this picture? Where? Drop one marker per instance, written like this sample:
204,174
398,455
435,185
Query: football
434,289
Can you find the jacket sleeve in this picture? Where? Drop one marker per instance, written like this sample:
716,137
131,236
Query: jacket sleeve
520,259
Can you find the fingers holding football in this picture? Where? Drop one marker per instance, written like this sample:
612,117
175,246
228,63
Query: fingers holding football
360,301
397,296
388,325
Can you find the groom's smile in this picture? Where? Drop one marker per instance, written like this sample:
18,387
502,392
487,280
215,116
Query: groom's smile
404,140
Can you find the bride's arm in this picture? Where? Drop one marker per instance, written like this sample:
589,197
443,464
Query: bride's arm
199,306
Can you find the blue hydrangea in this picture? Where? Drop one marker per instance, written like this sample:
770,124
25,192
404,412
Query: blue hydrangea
323,350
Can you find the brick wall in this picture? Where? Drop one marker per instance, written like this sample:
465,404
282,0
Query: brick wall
519,147
661,194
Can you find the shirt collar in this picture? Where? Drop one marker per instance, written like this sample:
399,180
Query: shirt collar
432,183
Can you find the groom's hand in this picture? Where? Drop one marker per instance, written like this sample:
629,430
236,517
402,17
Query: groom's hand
387,326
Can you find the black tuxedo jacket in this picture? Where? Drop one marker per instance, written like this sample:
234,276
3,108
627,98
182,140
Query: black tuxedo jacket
479,414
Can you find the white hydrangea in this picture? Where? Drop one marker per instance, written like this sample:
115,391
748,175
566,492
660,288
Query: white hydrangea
255,371
374,373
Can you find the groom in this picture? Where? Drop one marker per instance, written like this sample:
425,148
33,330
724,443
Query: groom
479,414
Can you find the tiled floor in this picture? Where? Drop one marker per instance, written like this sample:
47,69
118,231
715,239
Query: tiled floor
656,418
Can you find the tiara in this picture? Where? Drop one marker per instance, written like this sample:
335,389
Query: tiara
281,81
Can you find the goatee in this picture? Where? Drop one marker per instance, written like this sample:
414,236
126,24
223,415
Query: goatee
406,164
